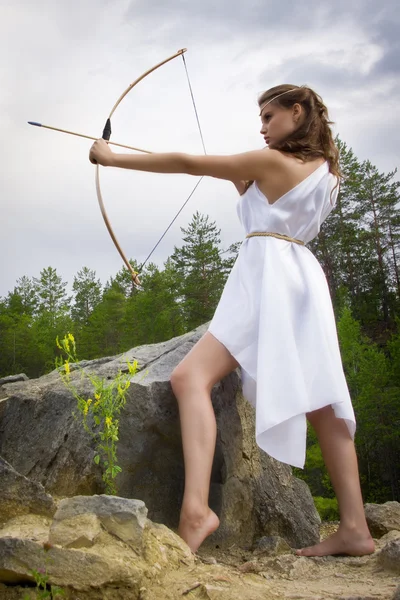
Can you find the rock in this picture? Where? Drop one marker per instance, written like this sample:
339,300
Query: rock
94,542
253,494
30,527
67,568
271,545
396,595
80,531
162,546
382,518
79,520
388,537
13,378
282,564
20,496
302,568
389,556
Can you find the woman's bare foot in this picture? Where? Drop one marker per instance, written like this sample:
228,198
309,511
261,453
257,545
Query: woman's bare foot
345,540
195,528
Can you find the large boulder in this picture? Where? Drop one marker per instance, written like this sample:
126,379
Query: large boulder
20,496
253,494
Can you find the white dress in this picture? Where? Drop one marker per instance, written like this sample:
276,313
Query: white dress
275,316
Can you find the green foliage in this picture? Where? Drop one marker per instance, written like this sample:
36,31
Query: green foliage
98,416
87,295
327,508
201,270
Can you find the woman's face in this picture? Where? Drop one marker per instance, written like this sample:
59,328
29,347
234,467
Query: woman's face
278,122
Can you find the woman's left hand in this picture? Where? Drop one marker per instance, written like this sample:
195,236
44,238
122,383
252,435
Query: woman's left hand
100,153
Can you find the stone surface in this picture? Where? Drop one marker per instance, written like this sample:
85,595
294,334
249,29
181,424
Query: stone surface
253,494
30,527
396,595
382,518
163,547
79,520
13,378
165,568
19,495
271,545
76,568
94,542
80,531
389,556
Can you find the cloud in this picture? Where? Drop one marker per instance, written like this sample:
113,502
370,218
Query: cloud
68,62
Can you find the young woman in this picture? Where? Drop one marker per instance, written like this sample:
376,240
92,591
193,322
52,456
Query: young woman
275,318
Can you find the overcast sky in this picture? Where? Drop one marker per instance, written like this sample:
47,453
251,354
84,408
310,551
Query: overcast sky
65,64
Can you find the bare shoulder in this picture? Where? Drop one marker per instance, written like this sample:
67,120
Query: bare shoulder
269,164
289,172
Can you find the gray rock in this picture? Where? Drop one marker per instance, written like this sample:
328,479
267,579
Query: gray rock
382,518
20,496
253,494
13,378
121,517
389,556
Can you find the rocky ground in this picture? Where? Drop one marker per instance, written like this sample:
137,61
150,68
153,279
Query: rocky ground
105,548
237,573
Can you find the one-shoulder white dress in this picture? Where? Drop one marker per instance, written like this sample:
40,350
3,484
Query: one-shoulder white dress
275,316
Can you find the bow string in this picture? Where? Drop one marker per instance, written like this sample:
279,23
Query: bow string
106,136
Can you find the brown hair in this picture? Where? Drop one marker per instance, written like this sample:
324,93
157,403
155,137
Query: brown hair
313,138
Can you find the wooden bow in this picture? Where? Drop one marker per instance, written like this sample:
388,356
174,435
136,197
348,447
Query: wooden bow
106,136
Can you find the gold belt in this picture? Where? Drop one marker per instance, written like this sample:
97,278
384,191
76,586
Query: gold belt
277,235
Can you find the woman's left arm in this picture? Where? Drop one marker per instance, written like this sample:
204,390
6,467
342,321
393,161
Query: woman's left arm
246,166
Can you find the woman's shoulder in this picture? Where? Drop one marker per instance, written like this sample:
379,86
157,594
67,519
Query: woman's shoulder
290,172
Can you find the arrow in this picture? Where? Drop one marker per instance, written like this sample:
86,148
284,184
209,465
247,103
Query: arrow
88,137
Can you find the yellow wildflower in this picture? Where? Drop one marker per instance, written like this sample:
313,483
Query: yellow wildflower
97,396
71,337
86,410
108,421
66,367
58,343
89,401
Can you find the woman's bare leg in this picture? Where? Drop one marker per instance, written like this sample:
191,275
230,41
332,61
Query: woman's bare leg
353,536
192,381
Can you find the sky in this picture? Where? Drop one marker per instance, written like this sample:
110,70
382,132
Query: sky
66,63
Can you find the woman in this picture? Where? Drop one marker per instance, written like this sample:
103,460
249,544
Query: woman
275,319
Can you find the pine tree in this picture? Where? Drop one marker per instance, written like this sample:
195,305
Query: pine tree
87,295
201,270
53,302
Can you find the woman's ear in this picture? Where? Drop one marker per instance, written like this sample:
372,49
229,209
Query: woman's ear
296,111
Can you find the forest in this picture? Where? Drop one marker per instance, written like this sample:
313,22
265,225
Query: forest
358,248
